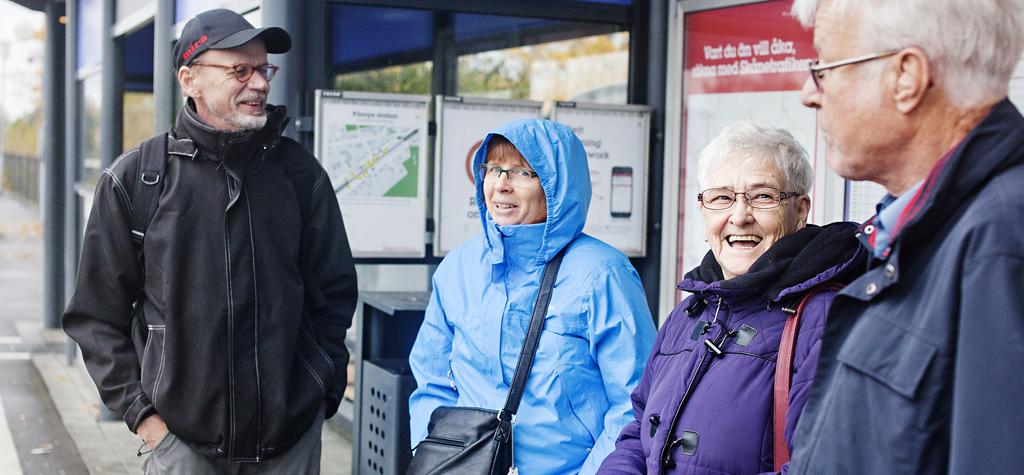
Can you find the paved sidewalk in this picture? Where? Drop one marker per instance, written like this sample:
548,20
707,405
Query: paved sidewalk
108,446
49,410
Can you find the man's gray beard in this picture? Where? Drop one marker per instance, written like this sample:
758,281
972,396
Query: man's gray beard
248,122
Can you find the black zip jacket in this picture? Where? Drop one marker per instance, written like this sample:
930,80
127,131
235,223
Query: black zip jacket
232,348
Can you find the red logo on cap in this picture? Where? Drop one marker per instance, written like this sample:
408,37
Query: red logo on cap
192,49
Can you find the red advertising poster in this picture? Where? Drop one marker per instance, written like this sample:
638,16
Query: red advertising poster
745,62
748,48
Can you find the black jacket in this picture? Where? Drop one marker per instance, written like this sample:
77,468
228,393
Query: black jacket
920,368
237,354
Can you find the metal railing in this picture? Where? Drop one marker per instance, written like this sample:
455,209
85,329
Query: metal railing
21,176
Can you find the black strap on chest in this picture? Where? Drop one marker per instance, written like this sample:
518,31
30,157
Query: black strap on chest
149,183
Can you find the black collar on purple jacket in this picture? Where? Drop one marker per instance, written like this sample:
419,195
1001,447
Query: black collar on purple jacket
797,262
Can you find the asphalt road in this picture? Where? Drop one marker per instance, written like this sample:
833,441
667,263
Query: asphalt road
35,436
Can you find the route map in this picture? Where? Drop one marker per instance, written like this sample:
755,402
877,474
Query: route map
373,161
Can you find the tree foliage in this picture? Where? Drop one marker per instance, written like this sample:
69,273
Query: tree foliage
21,137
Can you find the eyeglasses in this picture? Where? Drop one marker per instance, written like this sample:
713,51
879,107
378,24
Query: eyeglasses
818,69
244,72
516,176
764,197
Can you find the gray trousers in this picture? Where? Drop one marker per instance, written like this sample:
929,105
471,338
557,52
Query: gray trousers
173,457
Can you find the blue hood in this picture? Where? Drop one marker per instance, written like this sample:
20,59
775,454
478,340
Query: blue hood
557,155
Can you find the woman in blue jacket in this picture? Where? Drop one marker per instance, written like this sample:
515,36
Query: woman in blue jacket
533,191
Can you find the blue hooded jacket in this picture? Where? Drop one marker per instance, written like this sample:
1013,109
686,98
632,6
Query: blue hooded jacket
596,337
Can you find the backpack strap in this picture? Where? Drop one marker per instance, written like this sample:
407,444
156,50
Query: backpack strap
148,184
784,372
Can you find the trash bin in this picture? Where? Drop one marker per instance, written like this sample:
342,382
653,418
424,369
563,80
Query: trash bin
386,330
384,417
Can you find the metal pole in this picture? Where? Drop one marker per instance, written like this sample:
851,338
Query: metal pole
656,20
163,73
287,88
53,160
72,165
317,67
111,115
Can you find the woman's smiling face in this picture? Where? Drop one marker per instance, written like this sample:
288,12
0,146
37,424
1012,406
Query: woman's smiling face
739,235
520,203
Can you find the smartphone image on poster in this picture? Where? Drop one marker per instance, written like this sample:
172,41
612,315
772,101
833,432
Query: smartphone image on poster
622,192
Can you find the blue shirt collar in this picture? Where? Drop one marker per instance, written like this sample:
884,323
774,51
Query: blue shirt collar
889,211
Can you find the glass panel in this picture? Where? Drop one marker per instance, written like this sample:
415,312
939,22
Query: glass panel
376,49
365,37
138,60
91,95
137,111
90,33
405,79
138,118
589,69
124,8
470,26
184,10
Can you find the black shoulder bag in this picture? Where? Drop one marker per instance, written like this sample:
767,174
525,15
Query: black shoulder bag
472,441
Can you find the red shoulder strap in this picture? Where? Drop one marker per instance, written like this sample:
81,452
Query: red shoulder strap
784,373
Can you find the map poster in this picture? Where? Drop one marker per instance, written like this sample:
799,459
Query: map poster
373,147
462,124
616,141
745,62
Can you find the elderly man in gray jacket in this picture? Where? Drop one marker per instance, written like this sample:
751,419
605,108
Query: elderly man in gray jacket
922,355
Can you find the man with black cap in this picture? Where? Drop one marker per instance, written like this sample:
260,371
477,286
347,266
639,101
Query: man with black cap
216,282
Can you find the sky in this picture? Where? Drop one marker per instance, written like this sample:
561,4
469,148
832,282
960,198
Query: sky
21,59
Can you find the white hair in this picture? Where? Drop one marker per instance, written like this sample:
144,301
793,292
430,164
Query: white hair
747,139
972,45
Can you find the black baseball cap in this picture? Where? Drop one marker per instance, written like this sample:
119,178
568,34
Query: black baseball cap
224,29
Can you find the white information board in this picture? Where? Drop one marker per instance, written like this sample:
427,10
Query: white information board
462,124
374,147
861,199
616,139
1017,85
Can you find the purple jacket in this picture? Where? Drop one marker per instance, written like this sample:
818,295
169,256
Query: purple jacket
718,407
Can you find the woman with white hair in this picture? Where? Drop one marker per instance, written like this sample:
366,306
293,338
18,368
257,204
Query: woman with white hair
705,401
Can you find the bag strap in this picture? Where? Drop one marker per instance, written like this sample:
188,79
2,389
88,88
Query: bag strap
525,363
784,373
149,182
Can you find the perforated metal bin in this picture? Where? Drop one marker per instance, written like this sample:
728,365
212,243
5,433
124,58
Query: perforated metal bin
384,417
